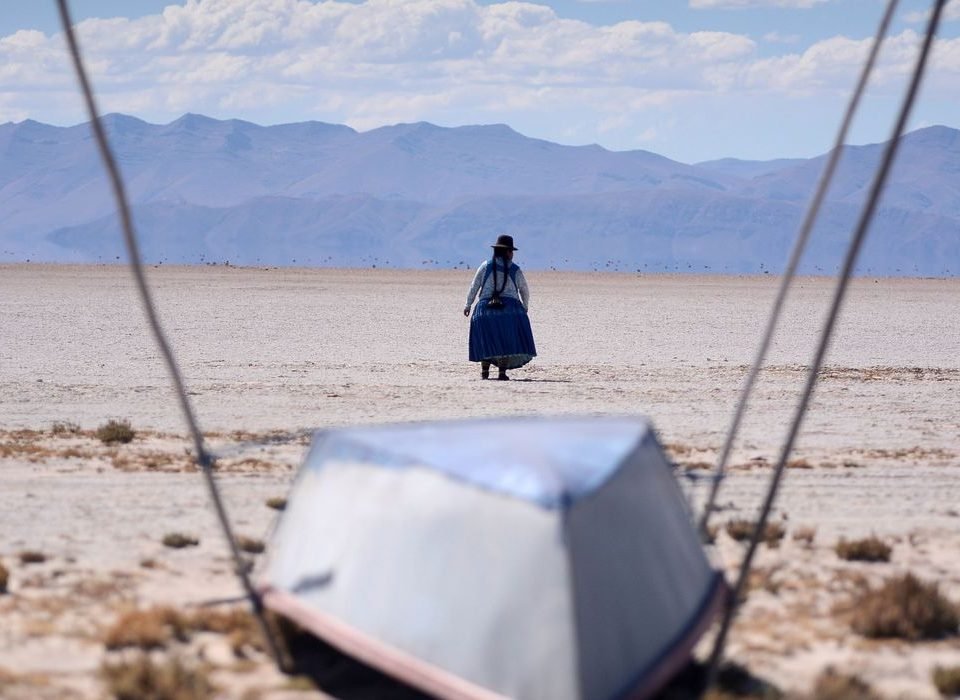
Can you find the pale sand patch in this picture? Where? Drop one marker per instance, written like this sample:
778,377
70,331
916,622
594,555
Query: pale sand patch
277,353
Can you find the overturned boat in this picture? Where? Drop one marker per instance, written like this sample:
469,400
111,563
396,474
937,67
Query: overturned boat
522,558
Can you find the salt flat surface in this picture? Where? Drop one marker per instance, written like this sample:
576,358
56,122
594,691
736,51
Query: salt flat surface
274,354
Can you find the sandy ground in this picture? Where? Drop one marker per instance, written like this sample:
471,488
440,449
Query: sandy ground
270,355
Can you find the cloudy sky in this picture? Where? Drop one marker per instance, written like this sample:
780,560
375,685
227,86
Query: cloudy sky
690,79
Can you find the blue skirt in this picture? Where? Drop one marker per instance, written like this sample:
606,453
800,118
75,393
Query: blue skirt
501,336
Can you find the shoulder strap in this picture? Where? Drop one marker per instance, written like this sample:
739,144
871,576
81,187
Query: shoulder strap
486,272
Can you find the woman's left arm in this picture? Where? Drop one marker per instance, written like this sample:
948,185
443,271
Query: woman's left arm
523,289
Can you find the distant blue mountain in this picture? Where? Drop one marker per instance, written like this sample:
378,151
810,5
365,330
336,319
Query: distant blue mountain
411,195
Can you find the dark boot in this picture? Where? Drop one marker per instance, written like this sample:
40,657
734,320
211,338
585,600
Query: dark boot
502,374
484,370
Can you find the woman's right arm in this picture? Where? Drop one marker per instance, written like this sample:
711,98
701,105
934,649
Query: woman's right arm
475,287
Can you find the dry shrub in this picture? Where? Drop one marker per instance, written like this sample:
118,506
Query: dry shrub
277,503
64,428
142,678
736,681
742,529
4,579
831,685
114,431
238,623
870,549
153,628
178,540
732,681
301,683
799,463
31,556
219,621
906,608
947,680
805,535
249,545
157,627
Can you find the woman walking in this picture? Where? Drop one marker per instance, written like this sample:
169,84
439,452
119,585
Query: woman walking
500,331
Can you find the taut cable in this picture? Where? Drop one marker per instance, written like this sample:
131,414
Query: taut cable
800,244
843,279
203,457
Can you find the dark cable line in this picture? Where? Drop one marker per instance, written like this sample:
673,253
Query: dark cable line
203,457
813,212
843,279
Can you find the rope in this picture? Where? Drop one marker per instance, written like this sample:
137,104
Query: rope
203,457
843,280
796,254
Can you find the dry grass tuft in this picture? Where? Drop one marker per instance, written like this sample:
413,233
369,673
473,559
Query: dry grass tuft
799,463
150,460
178,540
767,579
947,680
250,545
4,579
870,549
142,678
742,529
831,685
277,503
31,556
114,431
805,535
9,680
302,683
905,608
153,628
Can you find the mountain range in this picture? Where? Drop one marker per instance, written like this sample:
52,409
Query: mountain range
419,195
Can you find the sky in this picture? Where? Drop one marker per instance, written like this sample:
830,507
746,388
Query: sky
692,80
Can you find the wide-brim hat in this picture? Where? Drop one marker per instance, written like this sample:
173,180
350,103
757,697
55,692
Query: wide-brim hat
504,241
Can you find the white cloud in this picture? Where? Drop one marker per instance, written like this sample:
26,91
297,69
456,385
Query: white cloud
832,65
446,61
950,12
740,4
778,38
